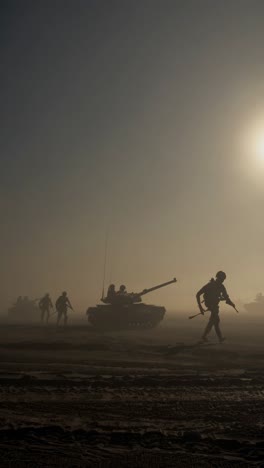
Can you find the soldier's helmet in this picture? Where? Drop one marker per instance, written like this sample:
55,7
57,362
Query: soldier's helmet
221,275
122,287
64,293
47,294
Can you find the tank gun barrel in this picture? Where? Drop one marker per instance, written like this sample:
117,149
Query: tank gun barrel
146,291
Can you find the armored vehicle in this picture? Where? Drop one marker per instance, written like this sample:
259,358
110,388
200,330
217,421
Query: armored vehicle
257,306
24,310
127,311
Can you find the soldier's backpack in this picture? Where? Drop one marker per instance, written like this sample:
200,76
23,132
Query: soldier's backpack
212,294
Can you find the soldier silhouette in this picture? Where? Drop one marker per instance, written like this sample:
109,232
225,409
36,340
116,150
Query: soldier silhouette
45,305
111,293
122,290
213,292
62,305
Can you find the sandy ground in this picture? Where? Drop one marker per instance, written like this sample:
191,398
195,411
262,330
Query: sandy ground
78,398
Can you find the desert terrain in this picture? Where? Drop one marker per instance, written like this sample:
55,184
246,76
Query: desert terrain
76,397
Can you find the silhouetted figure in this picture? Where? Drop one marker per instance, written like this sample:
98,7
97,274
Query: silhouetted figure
116,297
123,297
45,305
213,292
122,290
62,305
111,293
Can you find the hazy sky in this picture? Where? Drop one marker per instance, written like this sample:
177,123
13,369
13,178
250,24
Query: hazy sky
127,117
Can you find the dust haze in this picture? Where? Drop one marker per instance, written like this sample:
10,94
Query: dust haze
131,198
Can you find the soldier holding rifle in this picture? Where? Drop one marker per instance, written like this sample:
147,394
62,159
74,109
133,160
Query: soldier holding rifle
214,292
62,304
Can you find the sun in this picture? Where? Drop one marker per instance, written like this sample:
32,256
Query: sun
254,142
259,146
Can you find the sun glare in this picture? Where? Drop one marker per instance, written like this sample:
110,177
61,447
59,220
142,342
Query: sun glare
257,144
254,143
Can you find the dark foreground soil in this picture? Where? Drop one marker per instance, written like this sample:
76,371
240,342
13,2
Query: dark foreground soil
75,398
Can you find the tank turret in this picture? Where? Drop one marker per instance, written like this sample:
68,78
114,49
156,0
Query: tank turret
257,306
127,311
132,298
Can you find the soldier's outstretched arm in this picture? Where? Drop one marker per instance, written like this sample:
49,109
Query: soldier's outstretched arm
227,298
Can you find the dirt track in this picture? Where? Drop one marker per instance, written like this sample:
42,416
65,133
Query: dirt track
76,398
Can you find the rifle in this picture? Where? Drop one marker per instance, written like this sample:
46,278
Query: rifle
200,313
196,315
234,307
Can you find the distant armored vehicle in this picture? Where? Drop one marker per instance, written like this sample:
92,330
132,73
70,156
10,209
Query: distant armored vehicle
127,311
24,310
257,306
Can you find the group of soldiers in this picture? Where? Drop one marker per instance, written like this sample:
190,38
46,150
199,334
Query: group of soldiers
45,305
212,293
62,304
116,296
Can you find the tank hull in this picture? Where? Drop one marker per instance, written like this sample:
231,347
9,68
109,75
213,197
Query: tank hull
125,317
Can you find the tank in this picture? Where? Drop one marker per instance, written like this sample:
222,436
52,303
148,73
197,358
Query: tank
24,310
257,306
127,312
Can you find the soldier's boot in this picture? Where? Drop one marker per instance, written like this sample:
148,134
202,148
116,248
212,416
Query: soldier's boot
207,331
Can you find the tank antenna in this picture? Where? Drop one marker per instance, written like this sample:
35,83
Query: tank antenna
105,258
